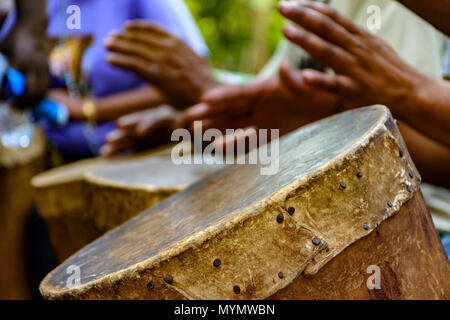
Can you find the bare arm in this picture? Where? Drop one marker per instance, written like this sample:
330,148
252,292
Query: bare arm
31,10
25,46
113,106
436,12
431,158
428,110
367,70
162,59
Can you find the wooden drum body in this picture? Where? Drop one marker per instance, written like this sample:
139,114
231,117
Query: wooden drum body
344,209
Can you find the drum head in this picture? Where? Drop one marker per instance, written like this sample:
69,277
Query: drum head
243,219
152,174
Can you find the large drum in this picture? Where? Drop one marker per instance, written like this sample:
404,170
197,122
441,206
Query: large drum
81,201
342,219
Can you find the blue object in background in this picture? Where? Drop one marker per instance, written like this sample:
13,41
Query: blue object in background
446,242
12,82
13,85
51,111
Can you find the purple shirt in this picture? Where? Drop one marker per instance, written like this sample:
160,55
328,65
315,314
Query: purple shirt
99,17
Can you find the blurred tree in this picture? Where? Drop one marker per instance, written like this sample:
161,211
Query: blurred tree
241,34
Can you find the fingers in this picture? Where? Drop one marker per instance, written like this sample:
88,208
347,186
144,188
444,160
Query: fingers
151,34
330,82
106,151
152,123
298,82
226,95
117,141
124,45
200,111
318,23
141,128
149,40
223,124
323,51
222,101
291,82
144,33
134,64
235,139
139,51
290,77
145,25
143,123
336,16
129,121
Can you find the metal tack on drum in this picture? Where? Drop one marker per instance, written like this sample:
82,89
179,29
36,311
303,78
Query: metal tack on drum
316,241
217,263
280,218
291,210
168,279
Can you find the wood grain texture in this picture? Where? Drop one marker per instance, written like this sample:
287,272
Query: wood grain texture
234,215
406,248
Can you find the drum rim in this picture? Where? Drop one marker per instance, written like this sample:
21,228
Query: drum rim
369,133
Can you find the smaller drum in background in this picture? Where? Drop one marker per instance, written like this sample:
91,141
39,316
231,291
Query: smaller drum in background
343,218
62,198
120,191
81,201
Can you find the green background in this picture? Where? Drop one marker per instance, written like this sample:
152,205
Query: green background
241,34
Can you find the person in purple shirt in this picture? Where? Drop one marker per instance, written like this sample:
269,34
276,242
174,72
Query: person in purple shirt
100,17
113,91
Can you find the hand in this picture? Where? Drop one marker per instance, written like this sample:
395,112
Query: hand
25,47
74,105
144,129
367,69
163,60
283,102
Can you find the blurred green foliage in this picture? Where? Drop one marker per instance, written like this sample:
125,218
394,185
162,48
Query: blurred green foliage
241,34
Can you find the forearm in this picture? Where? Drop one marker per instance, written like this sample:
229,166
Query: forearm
436,12
114,106
431,158
428,110
31,11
